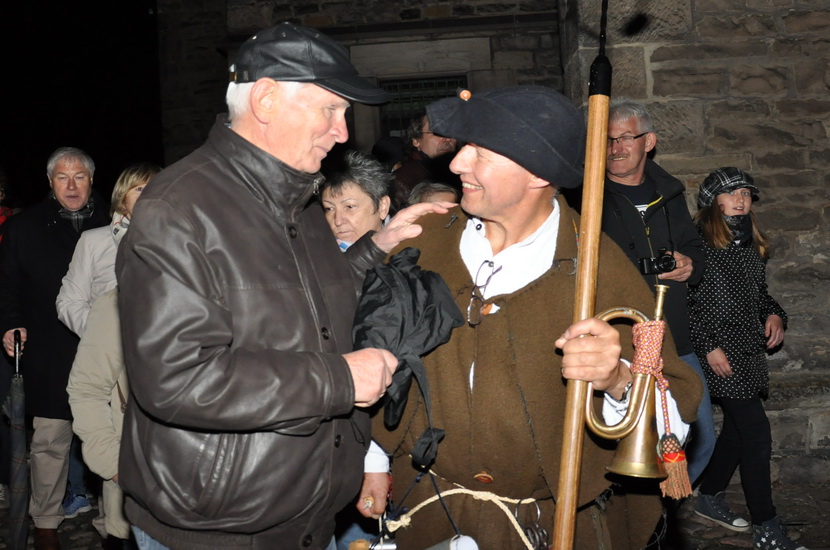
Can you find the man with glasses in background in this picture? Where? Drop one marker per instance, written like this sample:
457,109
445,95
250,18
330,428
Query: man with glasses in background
645,212
426,158
508,256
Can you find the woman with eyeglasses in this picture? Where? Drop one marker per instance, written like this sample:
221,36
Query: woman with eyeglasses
426,158
735,322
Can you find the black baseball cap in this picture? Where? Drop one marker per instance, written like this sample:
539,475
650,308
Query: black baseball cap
300,54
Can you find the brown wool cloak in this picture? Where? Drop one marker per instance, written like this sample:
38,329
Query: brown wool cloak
510,426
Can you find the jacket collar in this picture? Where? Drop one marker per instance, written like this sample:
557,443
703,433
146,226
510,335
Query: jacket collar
282,188
668,187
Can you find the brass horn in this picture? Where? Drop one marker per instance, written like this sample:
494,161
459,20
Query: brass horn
636,453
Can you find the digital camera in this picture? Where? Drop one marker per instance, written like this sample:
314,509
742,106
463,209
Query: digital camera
663,263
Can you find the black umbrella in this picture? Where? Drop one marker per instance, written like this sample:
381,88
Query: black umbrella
409,312
15,407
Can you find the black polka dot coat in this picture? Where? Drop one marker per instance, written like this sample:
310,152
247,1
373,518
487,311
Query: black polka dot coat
728,309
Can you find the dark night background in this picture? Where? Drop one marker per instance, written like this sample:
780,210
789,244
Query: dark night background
80,74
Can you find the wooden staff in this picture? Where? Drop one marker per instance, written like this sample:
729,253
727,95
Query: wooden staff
586,281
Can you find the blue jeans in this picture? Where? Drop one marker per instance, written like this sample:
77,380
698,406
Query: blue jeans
351,526
353,532
77,470
145,541
702,444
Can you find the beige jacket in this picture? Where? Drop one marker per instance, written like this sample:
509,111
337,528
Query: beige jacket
91,273
93,393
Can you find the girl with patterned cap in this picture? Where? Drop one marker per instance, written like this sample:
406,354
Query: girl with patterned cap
734,321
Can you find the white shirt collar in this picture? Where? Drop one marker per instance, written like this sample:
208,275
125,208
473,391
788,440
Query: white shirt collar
517,265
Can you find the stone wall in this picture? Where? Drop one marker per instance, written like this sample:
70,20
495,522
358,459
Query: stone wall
246,16
193,71
514,42
199,39
743,83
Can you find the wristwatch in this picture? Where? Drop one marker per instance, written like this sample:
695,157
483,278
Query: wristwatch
624,397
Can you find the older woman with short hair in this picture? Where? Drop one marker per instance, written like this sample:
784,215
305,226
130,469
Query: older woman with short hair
356,199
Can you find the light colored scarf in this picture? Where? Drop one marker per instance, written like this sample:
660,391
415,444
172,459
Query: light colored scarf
119,225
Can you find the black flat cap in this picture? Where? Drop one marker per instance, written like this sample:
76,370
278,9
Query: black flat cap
536,127
299,54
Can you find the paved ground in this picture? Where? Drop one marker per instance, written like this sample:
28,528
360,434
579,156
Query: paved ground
806,510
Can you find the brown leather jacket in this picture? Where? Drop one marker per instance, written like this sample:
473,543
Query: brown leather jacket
236,306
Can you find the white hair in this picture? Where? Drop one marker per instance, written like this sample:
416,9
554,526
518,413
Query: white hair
69,153
238,96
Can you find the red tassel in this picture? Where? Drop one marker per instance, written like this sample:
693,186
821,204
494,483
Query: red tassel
677,484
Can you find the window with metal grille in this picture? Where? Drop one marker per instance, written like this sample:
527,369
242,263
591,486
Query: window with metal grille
411,96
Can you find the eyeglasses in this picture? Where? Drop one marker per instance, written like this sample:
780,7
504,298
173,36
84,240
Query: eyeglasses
625,141
476,310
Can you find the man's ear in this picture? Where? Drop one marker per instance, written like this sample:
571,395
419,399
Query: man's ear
536,182
264,99
651,141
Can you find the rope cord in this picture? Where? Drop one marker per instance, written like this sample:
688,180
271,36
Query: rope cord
405,520
648,359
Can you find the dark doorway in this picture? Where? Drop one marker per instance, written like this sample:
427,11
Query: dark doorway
410,97
81,74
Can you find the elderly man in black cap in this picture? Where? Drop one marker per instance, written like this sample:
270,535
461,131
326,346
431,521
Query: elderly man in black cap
236,308
497,388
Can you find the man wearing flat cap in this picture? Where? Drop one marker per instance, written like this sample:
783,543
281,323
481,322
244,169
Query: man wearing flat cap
236,311
498,387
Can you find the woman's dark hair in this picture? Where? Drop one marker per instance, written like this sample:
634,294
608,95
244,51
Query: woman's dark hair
415,130
718,235
364,171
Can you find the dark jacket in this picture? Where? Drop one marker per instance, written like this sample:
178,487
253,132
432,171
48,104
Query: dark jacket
34,255
417,167
728,310
236,305
414,168
666,224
